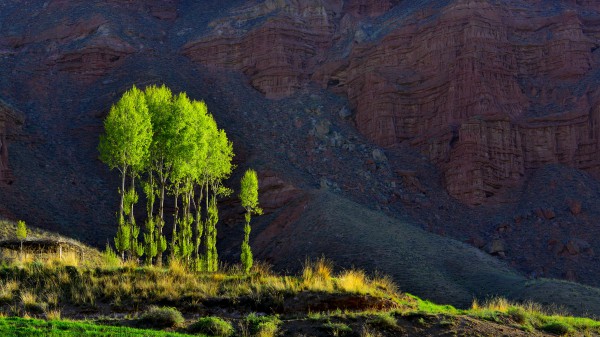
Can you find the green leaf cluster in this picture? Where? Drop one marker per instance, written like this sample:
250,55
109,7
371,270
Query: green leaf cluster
21,230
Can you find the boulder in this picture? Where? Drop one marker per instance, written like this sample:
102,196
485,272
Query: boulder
345,113
574,206
379,156
496,247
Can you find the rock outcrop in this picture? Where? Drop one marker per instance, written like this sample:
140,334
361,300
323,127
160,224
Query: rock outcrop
486,90
279,54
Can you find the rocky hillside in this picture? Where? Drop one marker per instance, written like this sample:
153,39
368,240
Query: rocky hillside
474,119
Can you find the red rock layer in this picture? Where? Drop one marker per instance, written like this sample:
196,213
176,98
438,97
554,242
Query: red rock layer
93,60
88,48
463,87
278,55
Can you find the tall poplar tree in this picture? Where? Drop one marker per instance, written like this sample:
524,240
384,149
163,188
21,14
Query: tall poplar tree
125,146
182,175
162,115
249,198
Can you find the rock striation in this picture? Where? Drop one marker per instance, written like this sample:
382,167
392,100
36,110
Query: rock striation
278,54
486,90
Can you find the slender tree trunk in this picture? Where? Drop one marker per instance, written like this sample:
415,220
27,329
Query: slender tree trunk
188,219
175,216
199,229
131,217
161,221
161,209
132,238
206,232
123,176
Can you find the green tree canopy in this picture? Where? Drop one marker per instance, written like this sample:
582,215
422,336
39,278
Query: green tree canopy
249,192
21,230
127,137
175,146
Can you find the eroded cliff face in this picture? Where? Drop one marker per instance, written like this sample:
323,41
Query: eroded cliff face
476,95
485,89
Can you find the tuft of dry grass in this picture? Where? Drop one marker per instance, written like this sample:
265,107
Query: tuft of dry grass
316,276
28,298
53,315
7,290
353,281
176,268
162,317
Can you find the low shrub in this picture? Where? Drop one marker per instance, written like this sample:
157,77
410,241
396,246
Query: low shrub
384,321
211,325
518,314
559,328
262,326
161,317
110,259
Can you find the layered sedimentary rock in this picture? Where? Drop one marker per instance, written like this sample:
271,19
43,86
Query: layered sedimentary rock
93,60
87,48
278,54
466,87
485,89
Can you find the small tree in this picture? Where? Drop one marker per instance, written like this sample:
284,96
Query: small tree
21,234
249,199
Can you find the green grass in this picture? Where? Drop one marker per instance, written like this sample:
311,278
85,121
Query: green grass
262,326
162,317
49,289
212,325
337,329
22,327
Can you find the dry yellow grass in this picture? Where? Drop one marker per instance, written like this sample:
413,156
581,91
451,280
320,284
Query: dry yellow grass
52,298
28,298
7,290
353,281
53,315
177,268
68,259
316,276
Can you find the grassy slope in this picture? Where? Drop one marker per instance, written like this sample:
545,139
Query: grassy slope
431,266
316,303
8,231
21,327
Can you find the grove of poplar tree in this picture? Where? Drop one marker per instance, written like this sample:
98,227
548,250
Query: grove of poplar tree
169,145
